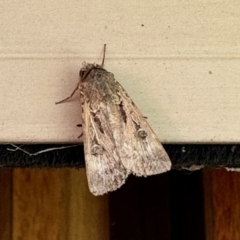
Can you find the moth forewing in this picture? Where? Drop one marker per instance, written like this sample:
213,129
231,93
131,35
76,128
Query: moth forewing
105,171
117,138
141,151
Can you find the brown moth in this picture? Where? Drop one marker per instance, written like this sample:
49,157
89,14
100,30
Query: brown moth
118,140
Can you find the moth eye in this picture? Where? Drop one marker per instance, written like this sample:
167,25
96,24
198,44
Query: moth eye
142,133
96,150
81,73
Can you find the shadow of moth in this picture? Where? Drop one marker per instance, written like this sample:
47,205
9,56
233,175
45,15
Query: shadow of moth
118,140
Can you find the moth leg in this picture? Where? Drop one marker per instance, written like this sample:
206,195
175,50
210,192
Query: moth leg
64,100
80,135
80,125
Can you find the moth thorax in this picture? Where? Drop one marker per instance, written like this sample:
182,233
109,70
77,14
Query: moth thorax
96,149
142,133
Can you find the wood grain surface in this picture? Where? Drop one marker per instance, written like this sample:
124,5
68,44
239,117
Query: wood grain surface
56,204
222,204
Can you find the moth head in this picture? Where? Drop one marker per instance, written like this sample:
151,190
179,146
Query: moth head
86,68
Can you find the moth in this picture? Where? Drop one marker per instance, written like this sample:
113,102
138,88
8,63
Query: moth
118,140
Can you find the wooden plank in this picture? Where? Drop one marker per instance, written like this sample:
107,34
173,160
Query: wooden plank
186,205
6,204
180,66
166,206
222,204
140,209
56,204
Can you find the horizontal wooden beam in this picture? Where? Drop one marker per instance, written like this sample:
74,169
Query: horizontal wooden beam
191,157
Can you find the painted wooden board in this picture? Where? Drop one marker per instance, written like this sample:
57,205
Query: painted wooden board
178,61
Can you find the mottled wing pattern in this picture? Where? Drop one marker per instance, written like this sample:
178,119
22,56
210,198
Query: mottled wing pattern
147,154
105,171
118,140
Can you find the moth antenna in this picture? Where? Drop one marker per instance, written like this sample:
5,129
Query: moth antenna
104,51
64,100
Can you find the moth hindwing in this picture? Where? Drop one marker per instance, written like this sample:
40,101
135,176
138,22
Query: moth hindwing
118,140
